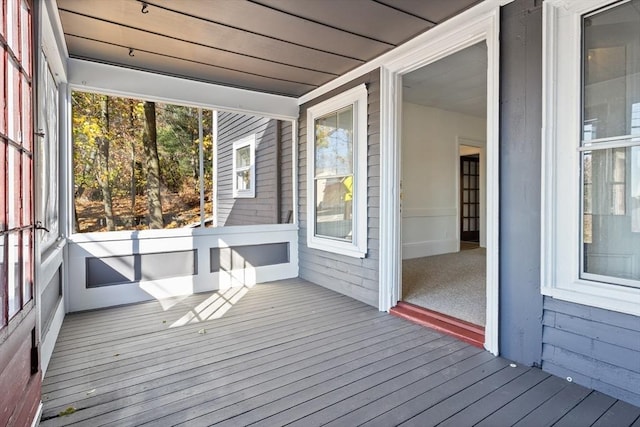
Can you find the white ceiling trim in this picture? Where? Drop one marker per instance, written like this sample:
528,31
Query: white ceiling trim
468,17
109,79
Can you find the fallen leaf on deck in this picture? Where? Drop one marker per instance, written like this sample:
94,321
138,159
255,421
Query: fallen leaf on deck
70,410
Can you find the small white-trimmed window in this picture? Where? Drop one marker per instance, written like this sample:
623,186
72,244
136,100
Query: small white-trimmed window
591,146
337,174
244,167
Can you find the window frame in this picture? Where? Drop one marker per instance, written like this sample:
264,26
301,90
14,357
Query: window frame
247,141
357,99
17,146
562,148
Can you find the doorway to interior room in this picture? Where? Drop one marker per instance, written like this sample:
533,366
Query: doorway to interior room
444,127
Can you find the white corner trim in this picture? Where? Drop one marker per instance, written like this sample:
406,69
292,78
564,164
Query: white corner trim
478,24
390,266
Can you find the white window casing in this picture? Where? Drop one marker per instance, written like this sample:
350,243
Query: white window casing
248,189
356,245
561,164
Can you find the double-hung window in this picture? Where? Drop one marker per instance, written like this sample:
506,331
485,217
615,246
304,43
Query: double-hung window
244,167
337,174
591,229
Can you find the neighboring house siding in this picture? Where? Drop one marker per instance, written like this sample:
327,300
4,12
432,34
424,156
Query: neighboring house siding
520,157
263,209
357,278
596,348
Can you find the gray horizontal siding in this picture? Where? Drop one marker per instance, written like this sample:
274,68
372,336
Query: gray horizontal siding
286,172
263,209
596,348
357,278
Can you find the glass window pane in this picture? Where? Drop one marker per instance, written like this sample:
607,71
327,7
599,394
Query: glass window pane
2,21
334,144
26,198
3,98
13,188
243,180
12,25
611,66
3,186
13,99
611,241
334,204
243,157
13,273
27,264
25,36
49,159
27,132
635,189
3,278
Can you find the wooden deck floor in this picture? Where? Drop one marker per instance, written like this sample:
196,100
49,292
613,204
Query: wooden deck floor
294,353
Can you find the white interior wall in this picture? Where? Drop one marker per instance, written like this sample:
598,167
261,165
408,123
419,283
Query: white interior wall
430,155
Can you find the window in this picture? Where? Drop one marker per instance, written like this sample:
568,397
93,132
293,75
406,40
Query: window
337,174
591,233
16,155
140,164
48,156
244,167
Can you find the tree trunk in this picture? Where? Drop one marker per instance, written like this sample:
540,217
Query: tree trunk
152,163
102,158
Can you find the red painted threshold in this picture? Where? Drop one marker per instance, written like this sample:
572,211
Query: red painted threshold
465,331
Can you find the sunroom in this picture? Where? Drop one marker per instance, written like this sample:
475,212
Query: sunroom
211,208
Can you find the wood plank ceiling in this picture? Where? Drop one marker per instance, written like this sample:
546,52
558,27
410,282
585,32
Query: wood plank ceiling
286,47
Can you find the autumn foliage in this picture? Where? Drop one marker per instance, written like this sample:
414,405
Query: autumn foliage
112,182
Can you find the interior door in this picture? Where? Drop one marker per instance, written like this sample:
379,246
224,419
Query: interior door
470,198
20,377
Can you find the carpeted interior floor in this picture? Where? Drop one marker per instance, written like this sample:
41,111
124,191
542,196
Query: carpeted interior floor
453,284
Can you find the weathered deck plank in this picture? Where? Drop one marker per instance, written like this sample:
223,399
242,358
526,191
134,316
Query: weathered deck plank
292,352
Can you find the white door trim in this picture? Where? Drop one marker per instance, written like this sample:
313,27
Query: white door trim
479,26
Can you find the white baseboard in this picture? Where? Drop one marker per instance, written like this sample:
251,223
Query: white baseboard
48,343
429,248
36,419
